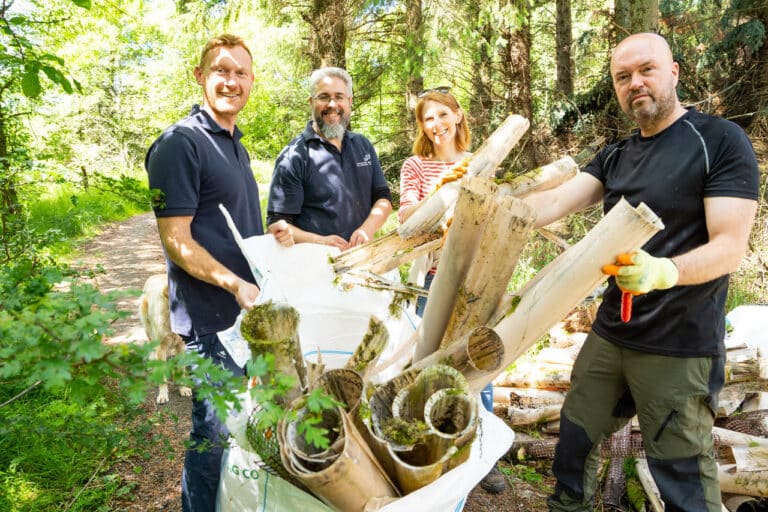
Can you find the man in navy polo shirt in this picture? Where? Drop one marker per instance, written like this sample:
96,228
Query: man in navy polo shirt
328,181
197,164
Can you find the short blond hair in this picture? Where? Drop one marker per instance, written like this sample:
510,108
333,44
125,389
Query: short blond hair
226,40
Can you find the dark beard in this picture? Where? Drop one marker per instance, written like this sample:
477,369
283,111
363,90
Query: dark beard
662,106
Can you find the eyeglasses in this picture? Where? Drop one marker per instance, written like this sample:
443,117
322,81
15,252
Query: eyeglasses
326,98
442,90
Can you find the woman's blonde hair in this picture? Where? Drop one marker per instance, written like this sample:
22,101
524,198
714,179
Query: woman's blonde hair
422,146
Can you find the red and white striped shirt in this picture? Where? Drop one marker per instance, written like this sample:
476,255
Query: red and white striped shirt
418,177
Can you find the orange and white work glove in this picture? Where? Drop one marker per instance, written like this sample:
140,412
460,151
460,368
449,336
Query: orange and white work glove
639,272
456,173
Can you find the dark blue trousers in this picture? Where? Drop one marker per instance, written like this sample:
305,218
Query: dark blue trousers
208,438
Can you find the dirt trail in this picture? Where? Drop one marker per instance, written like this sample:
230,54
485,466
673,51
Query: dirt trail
129,252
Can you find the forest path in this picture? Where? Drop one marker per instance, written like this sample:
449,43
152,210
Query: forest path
129,252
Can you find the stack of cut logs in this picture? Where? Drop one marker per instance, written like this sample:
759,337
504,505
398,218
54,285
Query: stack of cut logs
531,393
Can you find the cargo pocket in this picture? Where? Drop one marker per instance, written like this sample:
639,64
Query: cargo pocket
678,428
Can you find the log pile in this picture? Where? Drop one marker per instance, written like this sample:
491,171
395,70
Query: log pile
531,393
392,438
471,324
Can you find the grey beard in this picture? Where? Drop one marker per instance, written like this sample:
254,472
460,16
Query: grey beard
333,131
663,105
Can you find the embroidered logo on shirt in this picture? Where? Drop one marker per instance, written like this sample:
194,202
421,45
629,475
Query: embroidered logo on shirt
366,161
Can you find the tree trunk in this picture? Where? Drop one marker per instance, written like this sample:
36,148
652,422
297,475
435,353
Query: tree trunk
749,483
644,15
472,207
414,51
649,485
481,101
507,226
622,20
572,276
516,78
328,39
11,220
521,416
633,16
478,353
547,376
564,41
542,178
385,253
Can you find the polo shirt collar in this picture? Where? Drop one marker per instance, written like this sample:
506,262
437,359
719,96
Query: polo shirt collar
207,122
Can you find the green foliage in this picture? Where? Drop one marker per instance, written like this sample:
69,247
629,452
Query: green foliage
57,399
46,431
269,390
523,472
66,214
68,399
635,491
52,329
317,403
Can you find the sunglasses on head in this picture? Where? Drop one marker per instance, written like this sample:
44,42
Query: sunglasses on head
442,90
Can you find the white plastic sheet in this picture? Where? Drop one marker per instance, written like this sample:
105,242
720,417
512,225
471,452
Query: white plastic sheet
750,327
333,318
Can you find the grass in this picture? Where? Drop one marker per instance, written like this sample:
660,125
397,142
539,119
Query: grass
54,450
65,215
49,450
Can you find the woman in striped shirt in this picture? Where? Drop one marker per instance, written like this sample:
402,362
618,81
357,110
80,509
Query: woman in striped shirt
442,142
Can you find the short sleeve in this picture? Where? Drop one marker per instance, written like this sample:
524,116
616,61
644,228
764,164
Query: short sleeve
286,192
173,168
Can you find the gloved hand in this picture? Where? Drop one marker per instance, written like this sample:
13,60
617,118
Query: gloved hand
639,272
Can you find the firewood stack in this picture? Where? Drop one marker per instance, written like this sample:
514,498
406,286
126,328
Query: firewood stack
531,393
489,228
470,322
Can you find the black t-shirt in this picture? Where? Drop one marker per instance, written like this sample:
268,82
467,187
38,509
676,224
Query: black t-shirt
197,165
672,172
324,190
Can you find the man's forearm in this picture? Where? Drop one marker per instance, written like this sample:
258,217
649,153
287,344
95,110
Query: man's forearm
196,261
707,262
301,236
377,217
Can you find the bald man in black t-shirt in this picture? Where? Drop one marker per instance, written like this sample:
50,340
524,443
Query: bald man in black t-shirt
666,363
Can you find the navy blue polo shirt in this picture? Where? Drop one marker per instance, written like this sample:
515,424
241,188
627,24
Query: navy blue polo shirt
197,165
327,191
